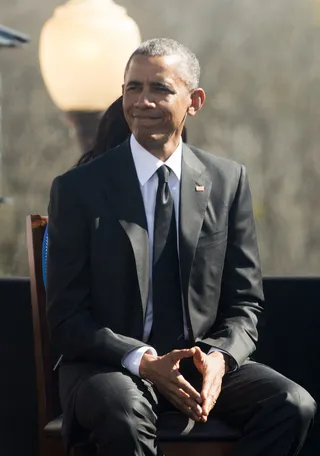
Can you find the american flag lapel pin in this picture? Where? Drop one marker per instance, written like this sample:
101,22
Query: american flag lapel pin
199,188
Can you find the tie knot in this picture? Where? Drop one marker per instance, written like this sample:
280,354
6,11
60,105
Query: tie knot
163,174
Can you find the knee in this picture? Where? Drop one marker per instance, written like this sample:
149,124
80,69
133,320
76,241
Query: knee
301,404
115,434
122,426
125,421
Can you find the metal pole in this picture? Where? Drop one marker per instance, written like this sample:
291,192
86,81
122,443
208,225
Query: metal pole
1,143
3,199
8,38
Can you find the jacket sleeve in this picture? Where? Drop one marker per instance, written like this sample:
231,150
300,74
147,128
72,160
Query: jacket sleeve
241,298
74,331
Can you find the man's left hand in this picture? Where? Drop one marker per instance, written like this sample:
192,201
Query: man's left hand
212,368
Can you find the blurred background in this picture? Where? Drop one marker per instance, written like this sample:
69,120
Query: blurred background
261,72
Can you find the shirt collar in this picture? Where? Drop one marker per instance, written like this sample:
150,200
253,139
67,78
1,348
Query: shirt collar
147,164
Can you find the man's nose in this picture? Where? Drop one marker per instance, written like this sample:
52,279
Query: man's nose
144,100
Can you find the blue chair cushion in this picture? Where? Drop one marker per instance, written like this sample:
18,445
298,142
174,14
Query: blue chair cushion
44,256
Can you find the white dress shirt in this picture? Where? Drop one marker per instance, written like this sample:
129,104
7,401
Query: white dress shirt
146,166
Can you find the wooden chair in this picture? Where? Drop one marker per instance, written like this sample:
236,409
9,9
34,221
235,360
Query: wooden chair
214,438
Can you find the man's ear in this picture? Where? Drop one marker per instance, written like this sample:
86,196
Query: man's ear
198,97
122,87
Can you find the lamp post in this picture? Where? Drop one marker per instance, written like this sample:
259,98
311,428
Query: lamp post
83,50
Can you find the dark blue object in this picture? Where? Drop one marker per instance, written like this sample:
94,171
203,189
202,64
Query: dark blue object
44,256
12,38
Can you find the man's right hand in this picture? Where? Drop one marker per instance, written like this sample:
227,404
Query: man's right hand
163,372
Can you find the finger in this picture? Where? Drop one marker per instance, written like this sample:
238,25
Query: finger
183,397
182,383
206,386
198,353
199,360
179,401
178,382
210,402
191,414
186,410
211,387
206,409
176,355
208,405
189,402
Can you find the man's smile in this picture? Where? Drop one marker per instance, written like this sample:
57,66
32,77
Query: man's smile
146,119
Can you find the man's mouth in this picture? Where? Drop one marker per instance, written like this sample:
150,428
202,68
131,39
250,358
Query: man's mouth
146,117
146,121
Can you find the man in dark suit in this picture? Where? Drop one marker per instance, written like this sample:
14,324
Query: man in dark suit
154,282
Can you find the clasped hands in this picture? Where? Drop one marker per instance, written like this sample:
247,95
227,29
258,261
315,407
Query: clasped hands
163,372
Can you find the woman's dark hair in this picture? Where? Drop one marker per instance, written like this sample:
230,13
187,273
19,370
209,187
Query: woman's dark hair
112,131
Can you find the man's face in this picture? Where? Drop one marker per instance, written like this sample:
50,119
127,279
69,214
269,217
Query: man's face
155,99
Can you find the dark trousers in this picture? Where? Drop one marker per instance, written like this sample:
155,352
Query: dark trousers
272,412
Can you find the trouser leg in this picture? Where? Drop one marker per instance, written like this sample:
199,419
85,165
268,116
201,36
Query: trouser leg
119,412
273,413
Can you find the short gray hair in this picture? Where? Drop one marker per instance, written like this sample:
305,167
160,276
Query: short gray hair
161,47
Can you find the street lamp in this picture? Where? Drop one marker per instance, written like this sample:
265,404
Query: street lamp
83,50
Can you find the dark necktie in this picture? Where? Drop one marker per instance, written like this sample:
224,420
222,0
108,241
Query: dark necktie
167,327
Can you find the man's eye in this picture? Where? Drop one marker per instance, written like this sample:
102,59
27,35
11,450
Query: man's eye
163,90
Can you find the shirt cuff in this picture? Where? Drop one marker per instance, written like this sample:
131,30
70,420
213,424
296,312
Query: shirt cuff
131,360
230,362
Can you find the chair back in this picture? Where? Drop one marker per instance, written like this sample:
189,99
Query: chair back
47,379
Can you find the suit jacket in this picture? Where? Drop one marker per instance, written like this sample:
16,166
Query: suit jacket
98,261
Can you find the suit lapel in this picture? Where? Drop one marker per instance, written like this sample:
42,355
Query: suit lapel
122,190
124,194
194,196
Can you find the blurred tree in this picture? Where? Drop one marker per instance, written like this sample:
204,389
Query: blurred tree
261,71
